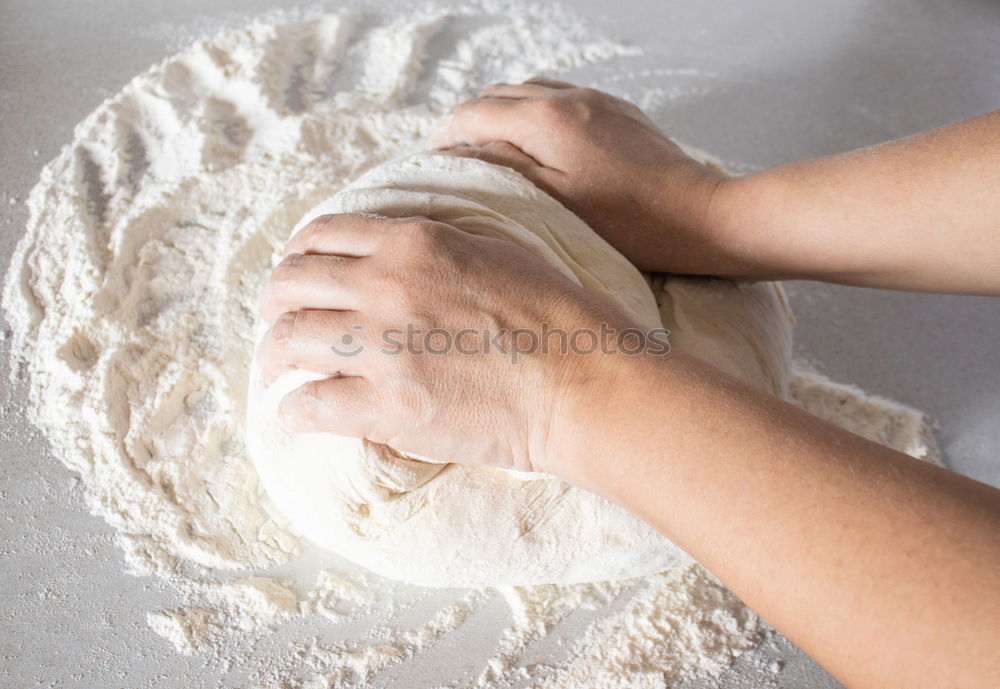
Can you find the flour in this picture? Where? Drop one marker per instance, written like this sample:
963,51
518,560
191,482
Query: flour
131,300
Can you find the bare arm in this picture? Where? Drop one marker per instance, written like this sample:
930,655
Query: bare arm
921,213
884,568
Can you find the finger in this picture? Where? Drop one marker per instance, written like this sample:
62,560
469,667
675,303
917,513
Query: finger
550,83
327,342
512,91
312,281
508,155
482,120
505,154
342,234
344,406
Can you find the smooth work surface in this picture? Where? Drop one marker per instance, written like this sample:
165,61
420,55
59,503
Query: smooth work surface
756,83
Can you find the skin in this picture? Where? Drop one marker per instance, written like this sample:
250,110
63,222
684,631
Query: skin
920,213
883,568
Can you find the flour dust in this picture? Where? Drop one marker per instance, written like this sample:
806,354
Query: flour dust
131,299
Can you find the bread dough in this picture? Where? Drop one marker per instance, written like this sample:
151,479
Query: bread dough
454,525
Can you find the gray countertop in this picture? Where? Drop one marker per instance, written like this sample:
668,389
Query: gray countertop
760,83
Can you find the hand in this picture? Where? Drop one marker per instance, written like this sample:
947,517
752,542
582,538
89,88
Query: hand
604,160
399,308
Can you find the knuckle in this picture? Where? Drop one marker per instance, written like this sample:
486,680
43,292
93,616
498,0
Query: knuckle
316,226
331,221
306,234
500,147
590,94
284,327
400,302
365,402
311,231
424,236
552,108
287,268
409,398
389,286
322,222
463,109
311,401
316,229
271,303
493,87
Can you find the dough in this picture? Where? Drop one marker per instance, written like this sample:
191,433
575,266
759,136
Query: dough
454,525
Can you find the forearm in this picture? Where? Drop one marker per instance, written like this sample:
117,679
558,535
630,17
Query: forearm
884,568
921,213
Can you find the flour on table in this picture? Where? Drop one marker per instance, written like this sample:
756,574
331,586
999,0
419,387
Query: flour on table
131,299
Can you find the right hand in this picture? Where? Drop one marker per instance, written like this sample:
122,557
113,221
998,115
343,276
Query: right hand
434,341
605,161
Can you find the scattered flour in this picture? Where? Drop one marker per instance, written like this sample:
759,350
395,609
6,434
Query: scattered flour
131,301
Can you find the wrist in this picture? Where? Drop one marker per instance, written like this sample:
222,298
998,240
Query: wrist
696,213
735,226
767,230
589,418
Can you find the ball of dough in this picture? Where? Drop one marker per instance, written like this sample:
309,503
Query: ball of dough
454,525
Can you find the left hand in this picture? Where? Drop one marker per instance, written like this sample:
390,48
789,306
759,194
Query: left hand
606,161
